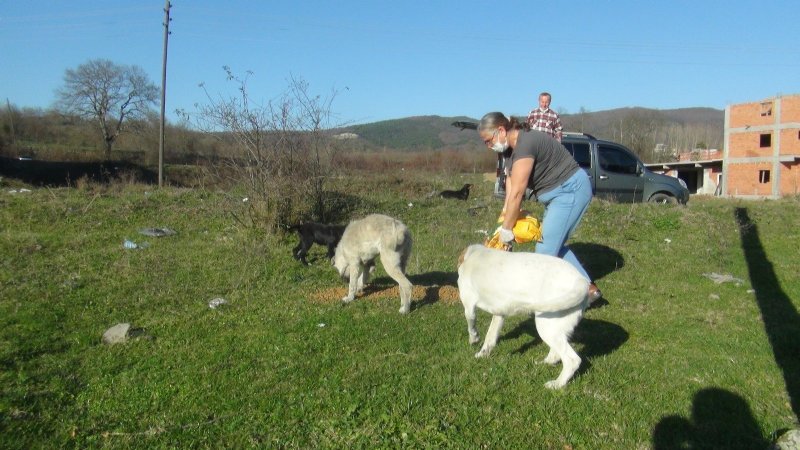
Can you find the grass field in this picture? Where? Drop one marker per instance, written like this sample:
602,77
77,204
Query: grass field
671,360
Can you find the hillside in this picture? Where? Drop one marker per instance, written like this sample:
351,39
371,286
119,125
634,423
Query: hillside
639,128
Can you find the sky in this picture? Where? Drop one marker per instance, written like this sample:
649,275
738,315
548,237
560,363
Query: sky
376,60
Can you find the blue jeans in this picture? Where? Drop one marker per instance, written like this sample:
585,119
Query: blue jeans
564,207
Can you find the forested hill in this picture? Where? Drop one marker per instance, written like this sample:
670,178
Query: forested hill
639,128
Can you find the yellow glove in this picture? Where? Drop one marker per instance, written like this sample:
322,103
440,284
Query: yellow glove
526,229
495,242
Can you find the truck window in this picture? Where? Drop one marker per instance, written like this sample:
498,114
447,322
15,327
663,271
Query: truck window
615,159
579,151
582,154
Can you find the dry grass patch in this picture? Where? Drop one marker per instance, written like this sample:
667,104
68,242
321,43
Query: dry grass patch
445,294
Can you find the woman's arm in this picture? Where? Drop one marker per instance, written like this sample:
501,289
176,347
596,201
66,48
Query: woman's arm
515,189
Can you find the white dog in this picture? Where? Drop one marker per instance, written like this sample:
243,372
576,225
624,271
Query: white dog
365,239
506,284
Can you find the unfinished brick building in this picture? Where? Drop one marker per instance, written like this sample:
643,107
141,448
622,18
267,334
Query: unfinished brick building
761,157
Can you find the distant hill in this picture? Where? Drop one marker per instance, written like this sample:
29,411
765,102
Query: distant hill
641,129
415,133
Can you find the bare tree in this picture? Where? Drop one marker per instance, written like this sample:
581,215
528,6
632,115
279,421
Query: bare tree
638,130
110,93
280,152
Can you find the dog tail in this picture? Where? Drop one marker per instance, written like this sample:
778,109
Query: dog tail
402,242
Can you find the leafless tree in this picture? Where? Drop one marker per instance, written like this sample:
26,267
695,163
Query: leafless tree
280,151
638,130
109,93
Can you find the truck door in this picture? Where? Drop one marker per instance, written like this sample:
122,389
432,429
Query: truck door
619,174
582,153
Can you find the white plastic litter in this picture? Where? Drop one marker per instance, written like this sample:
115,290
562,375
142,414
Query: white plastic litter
720,278
217,302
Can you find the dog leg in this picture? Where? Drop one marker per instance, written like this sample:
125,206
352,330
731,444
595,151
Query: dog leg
304,245
492,334
363,279
555,332
353,287
552,358
469,313
331,251
392,264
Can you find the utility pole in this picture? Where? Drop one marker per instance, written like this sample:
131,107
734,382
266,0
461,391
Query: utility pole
167,6
11,121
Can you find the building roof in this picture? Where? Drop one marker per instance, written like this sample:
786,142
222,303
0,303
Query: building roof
685,164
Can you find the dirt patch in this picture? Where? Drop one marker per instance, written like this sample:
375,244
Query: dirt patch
445,294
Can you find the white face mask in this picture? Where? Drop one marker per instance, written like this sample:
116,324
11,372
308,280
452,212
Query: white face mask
498,147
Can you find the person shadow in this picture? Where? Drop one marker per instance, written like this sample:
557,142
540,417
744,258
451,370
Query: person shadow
780,316
720,420
599,261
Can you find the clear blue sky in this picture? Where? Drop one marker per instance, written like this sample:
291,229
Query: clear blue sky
397,59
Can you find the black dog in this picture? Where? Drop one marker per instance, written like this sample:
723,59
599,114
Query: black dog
461,194
319,233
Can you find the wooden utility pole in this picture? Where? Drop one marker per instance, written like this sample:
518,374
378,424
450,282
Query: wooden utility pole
11,121
167,6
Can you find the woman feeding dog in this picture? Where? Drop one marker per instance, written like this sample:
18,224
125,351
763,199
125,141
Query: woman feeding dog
539,162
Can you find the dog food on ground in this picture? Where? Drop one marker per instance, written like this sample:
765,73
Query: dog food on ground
445,294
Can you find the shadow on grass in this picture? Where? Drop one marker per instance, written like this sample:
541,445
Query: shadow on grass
66,173
598,260
780,317
720,419
597,337
430,282
46,378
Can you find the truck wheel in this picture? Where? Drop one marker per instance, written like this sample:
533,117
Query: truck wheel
663,198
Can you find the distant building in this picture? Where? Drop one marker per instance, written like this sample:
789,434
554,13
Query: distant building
761,158
701,170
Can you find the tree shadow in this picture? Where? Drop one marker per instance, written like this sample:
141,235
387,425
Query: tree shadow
434,278
598,260
780,317
720,420
66,173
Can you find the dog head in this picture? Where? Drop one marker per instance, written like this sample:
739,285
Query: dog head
340,263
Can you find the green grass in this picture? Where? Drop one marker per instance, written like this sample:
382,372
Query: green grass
672,359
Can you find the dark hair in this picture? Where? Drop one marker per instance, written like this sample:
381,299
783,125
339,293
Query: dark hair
493,120
547,94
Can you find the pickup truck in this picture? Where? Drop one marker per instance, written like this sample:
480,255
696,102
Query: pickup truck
616,173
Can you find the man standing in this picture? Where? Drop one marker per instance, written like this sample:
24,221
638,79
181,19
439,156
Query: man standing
545,119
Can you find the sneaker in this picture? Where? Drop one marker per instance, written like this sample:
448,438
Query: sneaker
594,293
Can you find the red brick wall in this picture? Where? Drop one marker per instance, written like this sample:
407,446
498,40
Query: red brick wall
790,142
746,145
743,179
750,114
790,109
790,179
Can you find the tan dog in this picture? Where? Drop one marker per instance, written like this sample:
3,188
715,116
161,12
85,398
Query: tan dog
366,239
506,284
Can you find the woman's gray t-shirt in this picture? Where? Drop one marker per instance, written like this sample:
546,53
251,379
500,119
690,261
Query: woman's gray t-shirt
552,164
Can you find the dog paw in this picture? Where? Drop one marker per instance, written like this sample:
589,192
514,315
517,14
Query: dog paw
483,353
347,299
474,339
554,384
405,310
